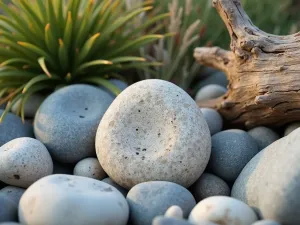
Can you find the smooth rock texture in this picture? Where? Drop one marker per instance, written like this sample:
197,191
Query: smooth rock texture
89,167
266,222
108,180
161,220
174,211
31,106
210,91
214,78
291,127
23,161
154,131
8,209
270,182
150,199
12,127
231,151
209,185
214,120
67,199
67,121
13,193
263,136
223,210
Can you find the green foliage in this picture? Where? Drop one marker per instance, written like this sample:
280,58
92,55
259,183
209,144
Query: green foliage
50,43
269,15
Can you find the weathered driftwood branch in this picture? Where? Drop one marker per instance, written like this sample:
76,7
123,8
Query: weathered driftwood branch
263,71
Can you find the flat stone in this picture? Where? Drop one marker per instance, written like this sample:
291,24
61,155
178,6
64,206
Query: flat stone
23,161
155,131
13,193
263,136
270,181
66,199
12,127
8,210
67,121
214,120
222,210
150,199
209,185
89,167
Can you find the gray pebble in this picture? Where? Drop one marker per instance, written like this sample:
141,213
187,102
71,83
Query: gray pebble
266,222
231,151
153,136
209,185
8,209
12,127
23,161
263,136
31,106
291,127
214,120
150,199
215,78
174,211
13,193
119,83
67,121
89,167
108,180
161,220
210,91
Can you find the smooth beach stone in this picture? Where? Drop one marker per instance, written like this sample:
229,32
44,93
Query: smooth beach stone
8,209
291,127
214,120
12,127
154,131
266,222
89,167
31,106
270,182
67,121
231,151
13,193
263,136
174,211
223,210
210,91
108,180
23,161
66,199
209,185
150,199
161,220
215,78
62,168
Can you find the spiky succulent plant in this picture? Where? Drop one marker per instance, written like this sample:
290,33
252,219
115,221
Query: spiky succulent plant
49,43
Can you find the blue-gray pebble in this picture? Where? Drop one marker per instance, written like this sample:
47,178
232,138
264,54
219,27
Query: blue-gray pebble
68,119
215,78
161,220
263,136
12,127
231,151
108,180
210,91
120,84
150,199
13,193
213,119
266,222
8,209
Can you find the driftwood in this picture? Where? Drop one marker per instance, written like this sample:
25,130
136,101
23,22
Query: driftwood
263,71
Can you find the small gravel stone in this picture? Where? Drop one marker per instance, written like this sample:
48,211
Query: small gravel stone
8,209
108,180
210,91
175,212
13,193
23,161
214,120
263,136
291,127
209,185
89,167
12,127
231,151
215,78
150,199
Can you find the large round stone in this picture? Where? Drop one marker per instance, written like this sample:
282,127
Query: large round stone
66,199
270,182
23,161
67,121
153,131
12,127
150,199
231,151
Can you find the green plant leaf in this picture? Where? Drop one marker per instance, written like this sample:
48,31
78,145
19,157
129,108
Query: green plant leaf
37,79
103,82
